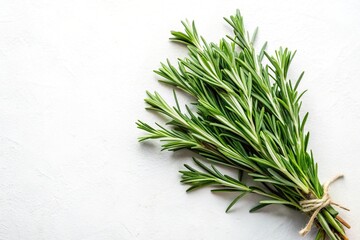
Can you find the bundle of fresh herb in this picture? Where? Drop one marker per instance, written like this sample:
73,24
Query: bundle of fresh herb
248,118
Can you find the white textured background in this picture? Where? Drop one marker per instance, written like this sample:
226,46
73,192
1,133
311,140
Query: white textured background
73,75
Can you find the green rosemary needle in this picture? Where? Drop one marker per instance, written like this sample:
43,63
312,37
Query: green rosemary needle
248,118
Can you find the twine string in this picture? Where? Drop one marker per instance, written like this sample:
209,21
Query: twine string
315,205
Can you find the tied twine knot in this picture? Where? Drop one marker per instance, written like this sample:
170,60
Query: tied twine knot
316,204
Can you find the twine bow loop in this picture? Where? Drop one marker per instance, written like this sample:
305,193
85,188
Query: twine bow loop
316,204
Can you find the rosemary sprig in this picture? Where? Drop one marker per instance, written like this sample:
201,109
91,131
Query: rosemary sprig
247,117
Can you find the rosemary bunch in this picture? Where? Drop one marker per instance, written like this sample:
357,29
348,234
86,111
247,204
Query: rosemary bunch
248,118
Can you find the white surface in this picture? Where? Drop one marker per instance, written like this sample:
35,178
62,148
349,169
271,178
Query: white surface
73,76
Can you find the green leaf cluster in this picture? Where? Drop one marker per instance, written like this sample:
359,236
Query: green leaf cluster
247,117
